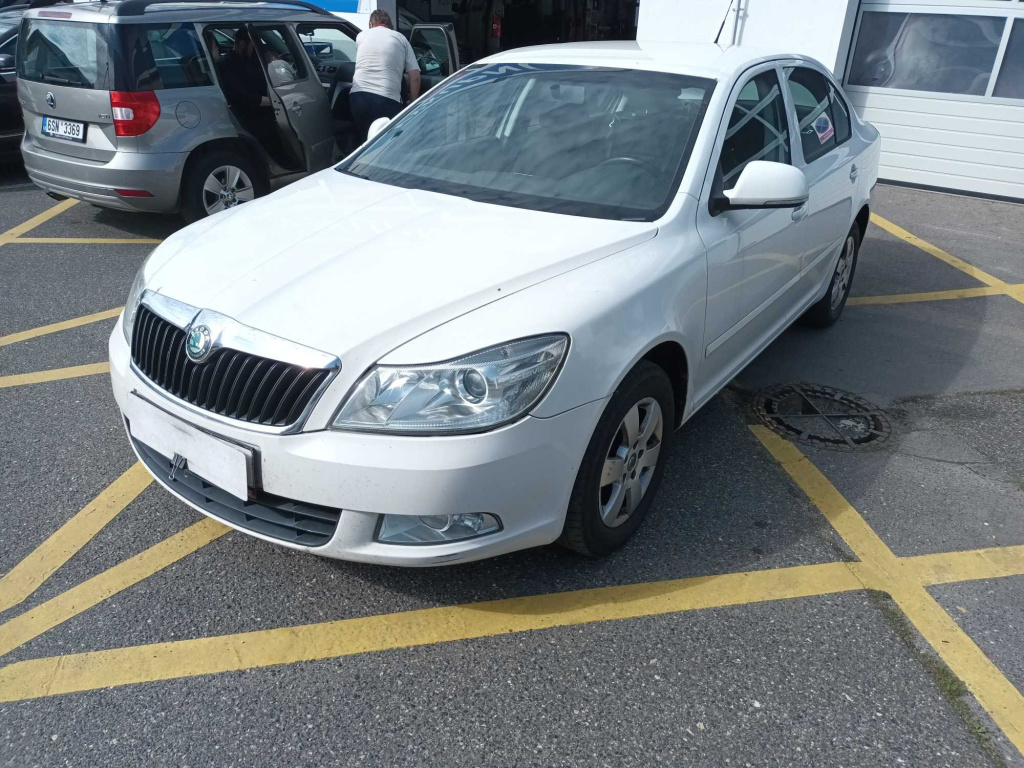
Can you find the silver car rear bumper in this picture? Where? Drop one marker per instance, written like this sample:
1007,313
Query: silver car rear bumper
157,173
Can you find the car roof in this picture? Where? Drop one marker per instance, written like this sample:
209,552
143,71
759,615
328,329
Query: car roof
710,60
229,10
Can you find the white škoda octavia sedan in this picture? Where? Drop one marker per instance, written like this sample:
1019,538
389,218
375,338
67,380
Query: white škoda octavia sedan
479,332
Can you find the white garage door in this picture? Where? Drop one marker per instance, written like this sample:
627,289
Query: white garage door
944,83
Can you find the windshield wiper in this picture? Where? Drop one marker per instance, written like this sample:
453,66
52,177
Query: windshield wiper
48,78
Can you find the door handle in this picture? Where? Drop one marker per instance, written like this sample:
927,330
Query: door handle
799,213
854,173
296,108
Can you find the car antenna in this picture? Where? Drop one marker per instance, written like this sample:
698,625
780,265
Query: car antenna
724,19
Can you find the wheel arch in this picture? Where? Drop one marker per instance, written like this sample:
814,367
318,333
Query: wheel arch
863,217
670,355
671,358
248,148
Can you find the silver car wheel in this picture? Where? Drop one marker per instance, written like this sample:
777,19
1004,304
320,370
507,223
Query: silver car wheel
844,269
630,462
226,187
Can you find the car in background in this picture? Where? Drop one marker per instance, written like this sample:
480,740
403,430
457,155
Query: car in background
479,332
11,125
124,108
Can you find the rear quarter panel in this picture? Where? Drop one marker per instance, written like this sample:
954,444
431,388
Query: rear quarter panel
189,117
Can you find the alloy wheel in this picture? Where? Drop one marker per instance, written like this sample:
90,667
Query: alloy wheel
226,187
844,270
630,462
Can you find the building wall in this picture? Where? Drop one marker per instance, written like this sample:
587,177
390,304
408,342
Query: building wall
818,28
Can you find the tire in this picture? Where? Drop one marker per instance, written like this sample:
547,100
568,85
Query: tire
219,166
594,524
830,307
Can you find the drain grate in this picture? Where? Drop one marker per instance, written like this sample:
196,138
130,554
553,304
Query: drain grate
822,416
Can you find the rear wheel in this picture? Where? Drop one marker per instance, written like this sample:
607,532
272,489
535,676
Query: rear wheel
623,465
830,307
218,181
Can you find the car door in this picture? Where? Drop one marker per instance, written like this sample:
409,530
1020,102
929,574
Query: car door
753,256
300,102
436,51
827,158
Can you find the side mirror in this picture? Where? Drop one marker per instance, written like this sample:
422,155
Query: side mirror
6,62
377,126
763,184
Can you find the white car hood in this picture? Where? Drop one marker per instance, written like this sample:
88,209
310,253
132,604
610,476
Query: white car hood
337,263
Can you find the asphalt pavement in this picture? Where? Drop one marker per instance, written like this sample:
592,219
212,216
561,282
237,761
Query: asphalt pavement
783,604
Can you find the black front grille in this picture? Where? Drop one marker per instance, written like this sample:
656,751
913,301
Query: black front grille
230,383
292,521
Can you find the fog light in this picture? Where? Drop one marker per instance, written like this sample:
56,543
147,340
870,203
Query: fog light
435,529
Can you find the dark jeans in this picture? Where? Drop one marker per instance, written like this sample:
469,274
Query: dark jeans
367,107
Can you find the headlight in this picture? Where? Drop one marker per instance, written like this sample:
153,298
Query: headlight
131,306
481,391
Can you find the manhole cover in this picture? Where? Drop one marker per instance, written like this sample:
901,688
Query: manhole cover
822,416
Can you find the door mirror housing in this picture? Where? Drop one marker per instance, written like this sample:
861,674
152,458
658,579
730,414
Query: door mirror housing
6,62
763,184
377,126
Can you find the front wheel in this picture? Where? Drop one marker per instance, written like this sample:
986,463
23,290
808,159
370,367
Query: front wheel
218,181
623,465
830,306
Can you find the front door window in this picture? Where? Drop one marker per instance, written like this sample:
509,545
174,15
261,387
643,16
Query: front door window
758,129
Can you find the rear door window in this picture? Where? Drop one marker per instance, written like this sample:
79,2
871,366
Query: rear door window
65,53
823,115
163,56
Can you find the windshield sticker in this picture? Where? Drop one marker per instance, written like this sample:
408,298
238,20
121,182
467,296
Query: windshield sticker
823,127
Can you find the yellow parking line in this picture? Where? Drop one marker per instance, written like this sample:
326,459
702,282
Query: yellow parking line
55,374
64,325
837,510
880,569
250,650
924,245
907,298
967,661
949,567
87,240
35,221
26,577
35,622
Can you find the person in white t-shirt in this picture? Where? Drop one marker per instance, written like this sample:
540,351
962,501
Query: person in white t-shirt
382,57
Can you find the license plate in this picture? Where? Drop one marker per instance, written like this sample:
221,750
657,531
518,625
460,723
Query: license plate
68,130
224,464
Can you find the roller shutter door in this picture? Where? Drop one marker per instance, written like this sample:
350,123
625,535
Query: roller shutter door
944,84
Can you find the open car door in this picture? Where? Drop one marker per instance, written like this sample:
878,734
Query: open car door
300,102
436,52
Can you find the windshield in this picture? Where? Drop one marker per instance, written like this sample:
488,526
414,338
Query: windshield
585,141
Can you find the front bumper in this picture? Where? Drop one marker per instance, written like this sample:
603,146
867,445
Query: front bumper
95,182
523,473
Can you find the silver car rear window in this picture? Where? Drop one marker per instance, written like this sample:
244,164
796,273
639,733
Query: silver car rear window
66,53
109,57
